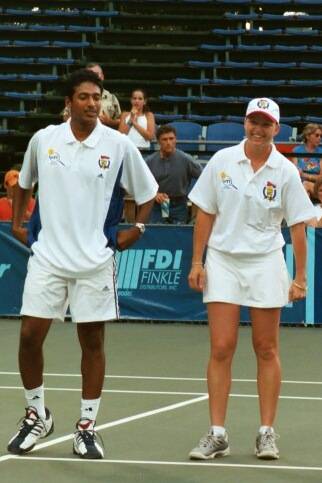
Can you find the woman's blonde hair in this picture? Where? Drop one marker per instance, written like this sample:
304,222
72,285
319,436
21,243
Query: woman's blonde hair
310,129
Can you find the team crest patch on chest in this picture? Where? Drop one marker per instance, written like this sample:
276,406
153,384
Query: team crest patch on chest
227,181
104,161
269,191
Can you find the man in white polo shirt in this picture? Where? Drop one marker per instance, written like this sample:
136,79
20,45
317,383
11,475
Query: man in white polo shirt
242,196
81,167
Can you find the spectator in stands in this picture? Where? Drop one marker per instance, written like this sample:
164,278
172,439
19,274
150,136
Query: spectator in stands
317,193
110,110
310,168
10,181
173,170
242,195
139,123
81,166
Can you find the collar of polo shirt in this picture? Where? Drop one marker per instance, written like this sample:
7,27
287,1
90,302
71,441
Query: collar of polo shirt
273,159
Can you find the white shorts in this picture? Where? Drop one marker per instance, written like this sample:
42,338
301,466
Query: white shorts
251,280
91,299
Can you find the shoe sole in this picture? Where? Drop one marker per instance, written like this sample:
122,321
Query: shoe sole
267,455
87,456
216,454
20,451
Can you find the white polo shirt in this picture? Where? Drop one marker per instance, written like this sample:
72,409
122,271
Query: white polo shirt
76,181
250,207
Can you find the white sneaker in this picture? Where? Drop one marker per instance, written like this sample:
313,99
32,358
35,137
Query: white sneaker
85,440
265,447
32,428
210,446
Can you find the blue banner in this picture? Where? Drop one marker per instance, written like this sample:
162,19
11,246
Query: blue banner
152,277
13,268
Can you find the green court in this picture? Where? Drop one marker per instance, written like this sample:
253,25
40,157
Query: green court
154,408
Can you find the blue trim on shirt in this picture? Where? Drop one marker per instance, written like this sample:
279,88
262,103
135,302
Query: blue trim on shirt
34,225
113,217
115,212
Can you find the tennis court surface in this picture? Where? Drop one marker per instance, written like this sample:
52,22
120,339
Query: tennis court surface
154,408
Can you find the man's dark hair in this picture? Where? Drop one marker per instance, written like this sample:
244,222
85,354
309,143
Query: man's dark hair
165,129
79,76
92,64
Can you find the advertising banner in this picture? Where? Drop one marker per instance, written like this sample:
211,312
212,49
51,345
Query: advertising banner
152,277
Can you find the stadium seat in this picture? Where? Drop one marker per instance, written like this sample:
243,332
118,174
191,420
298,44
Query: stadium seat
228,32
287,119
293,100
216,47
191,82
159,117
253,48
204,118
286,132
229,82
23,95
187,131
223,131
267,82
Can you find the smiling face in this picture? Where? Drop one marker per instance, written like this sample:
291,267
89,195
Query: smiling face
85,104
260,130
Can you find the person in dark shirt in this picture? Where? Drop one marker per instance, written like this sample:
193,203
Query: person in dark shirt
173,170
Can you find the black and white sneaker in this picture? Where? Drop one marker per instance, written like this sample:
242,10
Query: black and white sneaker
32,428
85,441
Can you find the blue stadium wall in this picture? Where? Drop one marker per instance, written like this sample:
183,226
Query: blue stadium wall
152,277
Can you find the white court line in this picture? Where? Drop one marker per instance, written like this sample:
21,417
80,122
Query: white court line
168,393
117,422
157,378
274,466
125,391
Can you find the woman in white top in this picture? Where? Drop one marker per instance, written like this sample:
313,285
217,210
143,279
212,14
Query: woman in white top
139,123
242,195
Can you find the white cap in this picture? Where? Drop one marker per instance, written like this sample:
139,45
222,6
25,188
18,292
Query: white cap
266,106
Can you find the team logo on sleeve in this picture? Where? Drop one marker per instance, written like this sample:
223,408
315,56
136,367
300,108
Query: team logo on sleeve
227,181
269,191
104,161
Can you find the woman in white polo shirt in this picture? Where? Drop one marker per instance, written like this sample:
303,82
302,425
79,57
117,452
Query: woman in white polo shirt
243,195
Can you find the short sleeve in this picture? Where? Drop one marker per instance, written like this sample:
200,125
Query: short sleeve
137,179
28,175
204,192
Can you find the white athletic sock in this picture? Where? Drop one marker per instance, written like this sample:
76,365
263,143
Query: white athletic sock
218,430
36,398
265,429
89,408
